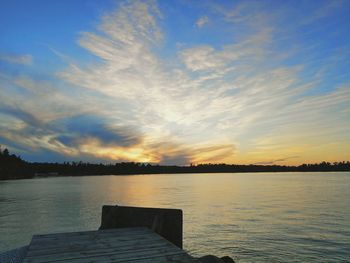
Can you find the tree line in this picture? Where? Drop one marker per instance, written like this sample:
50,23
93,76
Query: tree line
14,167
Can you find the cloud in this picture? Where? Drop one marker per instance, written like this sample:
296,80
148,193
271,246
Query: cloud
84,127
201,58
254,14
276,161
17,59
322,10
238,101
249,50
22,115
202,21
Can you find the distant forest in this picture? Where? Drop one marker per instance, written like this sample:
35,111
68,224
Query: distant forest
13,167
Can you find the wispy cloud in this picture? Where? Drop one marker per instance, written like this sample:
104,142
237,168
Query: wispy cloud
322,10
276,161
240,101
202,21
17,59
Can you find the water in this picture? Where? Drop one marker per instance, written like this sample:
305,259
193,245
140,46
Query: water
252,217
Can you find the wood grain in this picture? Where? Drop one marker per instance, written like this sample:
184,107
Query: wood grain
113,245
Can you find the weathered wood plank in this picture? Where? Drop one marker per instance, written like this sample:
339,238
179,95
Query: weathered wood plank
165,222
116,253
114,245
95,246
182,258
39,244
84,234
175,258
92,248
115,257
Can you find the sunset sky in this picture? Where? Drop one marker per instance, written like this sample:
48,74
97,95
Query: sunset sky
175,82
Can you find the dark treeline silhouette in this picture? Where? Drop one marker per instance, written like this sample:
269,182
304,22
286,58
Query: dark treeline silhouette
13,167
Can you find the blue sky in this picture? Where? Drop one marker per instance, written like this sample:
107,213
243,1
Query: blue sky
176,82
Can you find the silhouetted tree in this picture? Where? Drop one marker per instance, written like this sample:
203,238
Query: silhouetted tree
13,167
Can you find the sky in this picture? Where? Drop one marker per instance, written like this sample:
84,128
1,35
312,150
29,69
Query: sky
175,82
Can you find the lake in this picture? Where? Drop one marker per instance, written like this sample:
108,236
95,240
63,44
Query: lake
252,217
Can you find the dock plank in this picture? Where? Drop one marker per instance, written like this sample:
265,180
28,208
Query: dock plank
113,245
38,251
73,252
95,239
90,234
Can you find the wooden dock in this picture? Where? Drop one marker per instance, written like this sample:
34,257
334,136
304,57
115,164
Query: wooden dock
137,244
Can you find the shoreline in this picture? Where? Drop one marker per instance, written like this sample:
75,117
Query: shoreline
180,173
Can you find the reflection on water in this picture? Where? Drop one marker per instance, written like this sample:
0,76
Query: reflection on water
267,217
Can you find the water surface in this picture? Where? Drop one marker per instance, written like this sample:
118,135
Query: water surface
253,217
